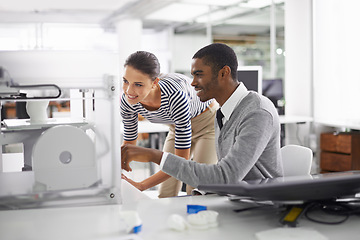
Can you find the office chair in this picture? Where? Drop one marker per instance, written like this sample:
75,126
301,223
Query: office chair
296,160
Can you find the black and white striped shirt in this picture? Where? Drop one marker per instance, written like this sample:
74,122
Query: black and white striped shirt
179,104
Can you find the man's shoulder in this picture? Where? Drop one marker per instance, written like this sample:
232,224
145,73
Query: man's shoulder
254,101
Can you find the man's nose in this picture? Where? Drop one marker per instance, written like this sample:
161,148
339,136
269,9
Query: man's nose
193,83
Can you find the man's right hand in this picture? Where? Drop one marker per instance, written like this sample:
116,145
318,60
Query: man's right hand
131,152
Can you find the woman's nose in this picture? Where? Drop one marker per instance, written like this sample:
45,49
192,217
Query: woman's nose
128,89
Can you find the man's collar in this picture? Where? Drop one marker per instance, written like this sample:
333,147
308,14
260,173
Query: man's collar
228,107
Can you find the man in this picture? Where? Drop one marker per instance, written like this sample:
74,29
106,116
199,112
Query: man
247,137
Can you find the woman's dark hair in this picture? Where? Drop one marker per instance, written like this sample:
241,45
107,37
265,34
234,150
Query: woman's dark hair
145,62
218,55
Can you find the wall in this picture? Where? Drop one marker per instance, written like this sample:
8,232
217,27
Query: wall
184,48
336,63
321,42
64,68
159,43
174,51
298,63
298,69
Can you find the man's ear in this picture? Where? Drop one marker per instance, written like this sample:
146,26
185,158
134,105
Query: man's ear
225,72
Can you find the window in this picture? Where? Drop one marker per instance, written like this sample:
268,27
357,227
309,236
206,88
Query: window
56,36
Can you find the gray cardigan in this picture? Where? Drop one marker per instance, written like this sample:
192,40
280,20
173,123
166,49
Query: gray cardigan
248,147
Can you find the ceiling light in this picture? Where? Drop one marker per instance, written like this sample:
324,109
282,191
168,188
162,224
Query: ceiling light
221,14
178,12
212,2
259,3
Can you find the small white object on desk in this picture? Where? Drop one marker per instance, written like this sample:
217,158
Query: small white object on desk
203,219
200,221
177,222
132,221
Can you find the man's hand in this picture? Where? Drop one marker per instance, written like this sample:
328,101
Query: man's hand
130,153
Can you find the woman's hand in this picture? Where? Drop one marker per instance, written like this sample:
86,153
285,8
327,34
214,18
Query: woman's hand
138,185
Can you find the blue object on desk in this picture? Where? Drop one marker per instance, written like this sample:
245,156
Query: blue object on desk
191,209
137,229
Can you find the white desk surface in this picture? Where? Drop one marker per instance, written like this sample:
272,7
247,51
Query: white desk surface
103,222
294,119
149,127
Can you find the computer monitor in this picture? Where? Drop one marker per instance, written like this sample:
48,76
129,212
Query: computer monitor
293,188
251,76
274,90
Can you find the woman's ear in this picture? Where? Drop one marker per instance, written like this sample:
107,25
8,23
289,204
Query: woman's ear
155,82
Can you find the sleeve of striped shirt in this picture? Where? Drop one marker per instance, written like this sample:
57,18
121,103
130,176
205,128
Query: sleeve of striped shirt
180,110
130,120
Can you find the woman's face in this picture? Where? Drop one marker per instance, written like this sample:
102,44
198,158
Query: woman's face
137,85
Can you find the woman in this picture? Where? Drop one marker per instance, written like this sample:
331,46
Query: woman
168,99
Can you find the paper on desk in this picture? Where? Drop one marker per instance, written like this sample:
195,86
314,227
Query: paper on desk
130,194
290,234
127,237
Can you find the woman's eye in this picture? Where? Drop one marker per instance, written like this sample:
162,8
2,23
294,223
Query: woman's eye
125,81
138,85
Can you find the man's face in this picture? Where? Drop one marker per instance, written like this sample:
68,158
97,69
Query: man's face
204,81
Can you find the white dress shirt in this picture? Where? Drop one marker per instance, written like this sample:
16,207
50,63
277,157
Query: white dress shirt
228,107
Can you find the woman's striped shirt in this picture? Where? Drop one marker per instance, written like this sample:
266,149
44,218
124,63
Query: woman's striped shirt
179,104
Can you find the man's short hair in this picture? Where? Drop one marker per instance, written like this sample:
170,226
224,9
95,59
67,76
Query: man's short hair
218,55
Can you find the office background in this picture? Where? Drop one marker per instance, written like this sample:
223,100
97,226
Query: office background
310,44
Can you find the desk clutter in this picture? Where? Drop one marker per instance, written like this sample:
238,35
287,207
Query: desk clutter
198,218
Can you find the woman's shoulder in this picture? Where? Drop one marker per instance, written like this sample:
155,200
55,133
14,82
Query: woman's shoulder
174,82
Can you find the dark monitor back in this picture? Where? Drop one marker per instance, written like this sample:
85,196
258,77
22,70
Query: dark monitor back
294,188
274,90
249,78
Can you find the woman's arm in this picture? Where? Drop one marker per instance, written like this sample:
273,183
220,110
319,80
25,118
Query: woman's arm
129,142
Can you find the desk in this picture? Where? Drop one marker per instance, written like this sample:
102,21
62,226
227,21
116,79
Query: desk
284,119
291,119
148,127
157,132
103,222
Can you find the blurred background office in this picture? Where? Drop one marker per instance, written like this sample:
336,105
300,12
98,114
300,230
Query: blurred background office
310,45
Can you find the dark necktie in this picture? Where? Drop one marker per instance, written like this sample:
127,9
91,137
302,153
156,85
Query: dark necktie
219,117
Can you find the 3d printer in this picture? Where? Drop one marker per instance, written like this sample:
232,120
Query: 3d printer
72,159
